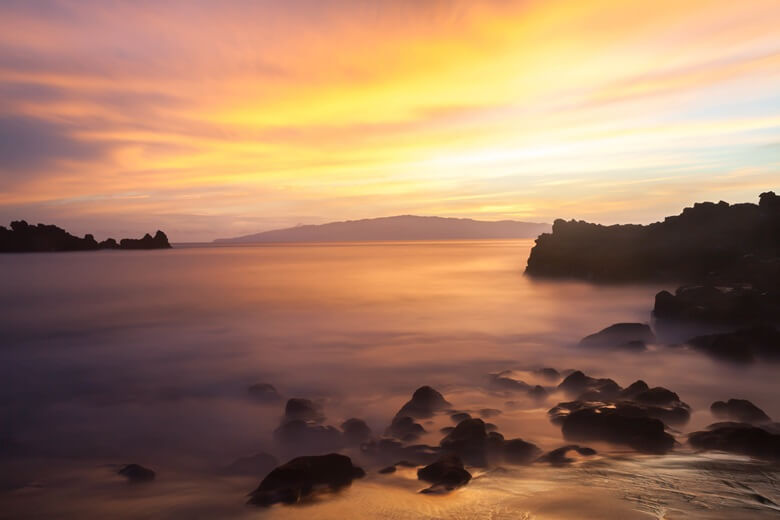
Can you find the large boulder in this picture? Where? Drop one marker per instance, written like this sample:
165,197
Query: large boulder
739,410
404,428
424,403
629,336
303,409
445,474
616,426
741,438
300,477
356,431
577,383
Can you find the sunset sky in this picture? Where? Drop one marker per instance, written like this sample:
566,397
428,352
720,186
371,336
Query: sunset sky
213,119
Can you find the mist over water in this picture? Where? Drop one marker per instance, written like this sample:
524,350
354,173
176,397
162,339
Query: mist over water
114,357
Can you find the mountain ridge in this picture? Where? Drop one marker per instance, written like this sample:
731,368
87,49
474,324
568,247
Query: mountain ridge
397,227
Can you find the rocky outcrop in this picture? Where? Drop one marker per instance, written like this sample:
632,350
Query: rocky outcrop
739,410
715,242
300,477
631,336
25,238
720,305
424,403
740,438
445,474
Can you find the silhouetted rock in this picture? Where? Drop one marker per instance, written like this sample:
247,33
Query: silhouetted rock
559,456
356,431
264,392
404,428
741,438
257,465
446,474
460,416
616,426
518,451
424,403
630,336
300,477
577,383
741,346
634,389
469,441
137,473
739,410
549,373
706,242
731,305
304,409
657,396
23,237
387,469
301,435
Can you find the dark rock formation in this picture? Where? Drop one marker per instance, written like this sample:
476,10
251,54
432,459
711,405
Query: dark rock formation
303,409
719,305
300,477
741,346
577,383
739,410
741,438
424,403
549,373
518,451
137,473
257,465
445,474
404,428
356,431
559,456
631,336
709,241
264,392
473,443
616,426
23,237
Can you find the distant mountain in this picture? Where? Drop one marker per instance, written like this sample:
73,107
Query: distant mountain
403,227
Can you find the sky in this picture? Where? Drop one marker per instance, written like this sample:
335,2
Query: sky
216,119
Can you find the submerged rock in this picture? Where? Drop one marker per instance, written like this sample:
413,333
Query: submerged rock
741,346
710,304
739,410
137,473
559,456
404,428
445,474
300,477
356,431
577,383
424,403
631,336
303,409
740,438
518,451
264,392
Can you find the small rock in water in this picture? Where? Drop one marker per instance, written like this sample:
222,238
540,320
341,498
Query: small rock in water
424,403
631,336
303,409
445,474
137,473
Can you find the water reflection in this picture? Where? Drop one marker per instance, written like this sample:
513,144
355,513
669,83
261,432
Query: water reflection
117,357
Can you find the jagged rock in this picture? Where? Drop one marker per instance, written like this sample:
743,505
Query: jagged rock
577,383
137,473
447,473
300,477
741,438
158,241
356,431
559,456
257,465
741,346
303,409
23,237
739,410
424,403
264,392
630,336
404,428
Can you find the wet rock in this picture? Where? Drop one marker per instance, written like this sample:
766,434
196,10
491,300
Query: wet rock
257,465
674,414
617,426
657,396
631,336
740,438
447,473
559,456
518,451
264,392
577,383
136,473
469,441
424,403
356,431
739,410
303,435
303,409
634,389
302,476
489,412
741,346
460,416
404,428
